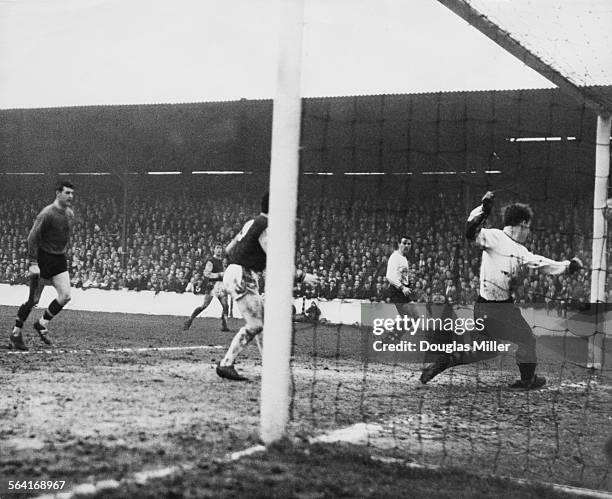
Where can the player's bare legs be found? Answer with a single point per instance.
(36, 287)
(251, 308)
(197, 311)
(259, 342)
(61, 283)
(224, 312)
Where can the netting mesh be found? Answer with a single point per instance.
(415, 166)
(572, 37)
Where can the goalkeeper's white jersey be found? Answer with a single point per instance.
(502, 259)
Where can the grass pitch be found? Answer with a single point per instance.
(124, 393)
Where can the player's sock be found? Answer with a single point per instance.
(240, 341)
(224, 323)
(527, 370)
(52, 310)
(23, 312)
(17, 330)
(196, 312)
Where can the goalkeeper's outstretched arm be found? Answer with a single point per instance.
(478, 216)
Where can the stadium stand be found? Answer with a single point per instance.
(170, 237)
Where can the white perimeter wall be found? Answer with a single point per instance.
(335, 311)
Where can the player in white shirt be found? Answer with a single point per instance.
(503, 256)
(397, 272)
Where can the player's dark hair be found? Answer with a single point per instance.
(403, 239)
(265, 202)
(60, 184)
(516, 213)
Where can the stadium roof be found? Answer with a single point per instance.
(235, 136)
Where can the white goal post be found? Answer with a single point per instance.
(284, 172)
(600, 235)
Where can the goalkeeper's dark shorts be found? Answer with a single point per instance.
(51, 264)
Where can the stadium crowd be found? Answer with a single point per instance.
(346, 242)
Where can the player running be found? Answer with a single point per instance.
(47, 244)
(213, 273)
(247, 256)
(503, 256)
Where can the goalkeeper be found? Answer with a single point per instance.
(503, 256)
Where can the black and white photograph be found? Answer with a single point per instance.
(305, 249)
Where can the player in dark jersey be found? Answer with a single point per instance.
(47, 244)
(247, 256)
(213, 273)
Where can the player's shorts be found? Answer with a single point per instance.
(397, 296)
(216, 289)
(50, 264)
(239, 281)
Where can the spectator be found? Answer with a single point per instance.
(343, 241)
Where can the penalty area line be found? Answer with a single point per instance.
(115, 350)
(141, 477)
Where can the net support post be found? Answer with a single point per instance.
(600, 230)
(280, 269)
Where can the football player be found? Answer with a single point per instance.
(247, 256)
(48, 242)
(503, 256)
(213, 273)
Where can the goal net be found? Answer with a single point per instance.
(376, 169)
